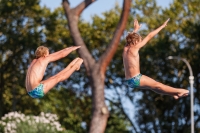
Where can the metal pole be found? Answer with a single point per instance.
(191, 81)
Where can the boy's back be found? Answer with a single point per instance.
(35, 73)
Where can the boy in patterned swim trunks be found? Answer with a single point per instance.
(35, 86)
(132, 67)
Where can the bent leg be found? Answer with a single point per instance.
(71, 64)
(148, 83)
(62, 75)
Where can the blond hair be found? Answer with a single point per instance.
(41, 51)
(133, 38)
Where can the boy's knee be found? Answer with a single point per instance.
(158, 85)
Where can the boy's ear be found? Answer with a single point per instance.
(45, 55)
(136, 42)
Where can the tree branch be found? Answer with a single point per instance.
(109, 53)
(83, 5)
(72, 18)
(66, 5)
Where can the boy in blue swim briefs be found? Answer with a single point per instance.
(132, 67)
(35, 86)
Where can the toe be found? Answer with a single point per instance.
(175, 97)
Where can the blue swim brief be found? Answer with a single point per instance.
(37, 92)
(134, 82)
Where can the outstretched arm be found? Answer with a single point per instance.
(61, 54)
(152, 34)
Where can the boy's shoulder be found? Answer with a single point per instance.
(42, 60)
(134, 47)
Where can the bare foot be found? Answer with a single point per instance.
(182, 93)
(78, 63)
(73, 62)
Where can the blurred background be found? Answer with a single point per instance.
(25, 25)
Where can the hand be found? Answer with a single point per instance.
(165, 23)
(74, 47)
(137, 26)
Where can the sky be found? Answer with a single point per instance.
(95, 8)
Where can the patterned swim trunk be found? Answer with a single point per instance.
(37, 92)
(134, 82)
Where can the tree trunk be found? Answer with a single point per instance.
(99, 109)
(96, 69)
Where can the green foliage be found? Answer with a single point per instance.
(20, 34)
(117, 122)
